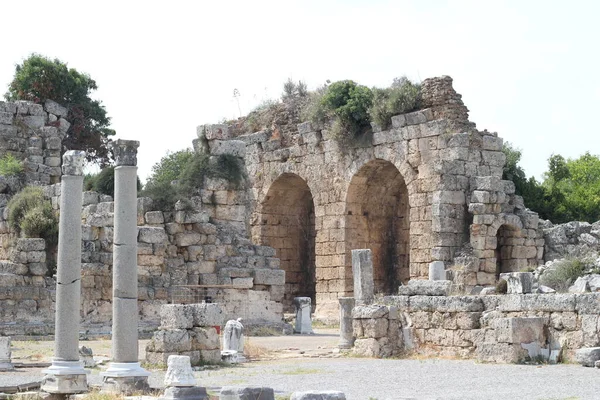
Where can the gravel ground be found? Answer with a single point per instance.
(362, 379)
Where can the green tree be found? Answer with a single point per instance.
(170, 167)
(350, 103)
(39, 78)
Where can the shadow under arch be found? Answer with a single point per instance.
(287, 223)
(377, 218)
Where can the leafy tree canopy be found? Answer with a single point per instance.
(570, 190)
(39, 78)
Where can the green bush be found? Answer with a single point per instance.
(166, 192)
(104, 182)
(31, 215)
(41, 222)
(564, 273)
(293, 89)
(10, 166)
(402, 97)
(349, 103)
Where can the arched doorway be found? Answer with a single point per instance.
(287, 223)
(377, 218)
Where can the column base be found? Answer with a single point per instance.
(185, 393)
(345, 344)
(126, 378)
(6, 366)
(65, 377)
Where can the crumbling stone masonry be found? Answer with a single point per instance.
(500, 328)
(428, 189)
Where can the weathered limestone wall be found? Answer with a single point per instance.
(422, 191)
(497, 328)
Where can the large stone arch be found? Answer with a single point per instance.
(286, 222)
(377, 217)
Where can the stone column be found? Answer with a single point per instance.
(346, 333)
(362, 271)
(66, 374)
(124, 374)
(437, 271)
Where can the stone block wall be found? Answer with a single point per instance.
(427, 189)
(497, 328)
(187, 330)
(33, 133)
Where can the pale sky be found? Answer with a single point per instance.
(529, 70)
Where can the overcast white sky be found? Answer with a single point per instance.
(526, 69)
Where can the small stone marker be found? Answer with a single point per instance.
(362, 271)
(247, 393)
(5, 361)
(303, 321)
(318, 395)
(346, 332)
(233, 342)
(437, 271)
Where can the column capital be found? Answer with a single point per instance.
(125, 152)
(72, 162)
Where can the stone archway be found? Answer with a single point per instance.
(377, 218)
(287, 223)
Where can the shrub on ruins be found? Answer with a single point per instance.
(564, 273)
(104, 182)
(293, 89)
(401, 97)
(11, 166)
(39, 78)
(31, 215)
(189, 170)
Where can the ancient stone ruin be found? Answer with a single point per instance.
(422, 199)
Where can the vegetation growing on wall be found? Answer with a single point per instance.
(570, 190)
(31, 215)
(402, 97)
(10, 166)
(180, 175)
(39, 78)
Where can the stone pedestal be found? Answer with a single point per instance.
(179, 372)
(346, 333)
(247, 393)
(362, 271)
(124, 374)
(437, 271)
(5, 355)
(66, 375)
(303, 321)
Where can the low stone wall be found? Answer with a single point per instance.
(495, 328)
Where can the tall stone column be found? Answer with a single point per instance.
(124, 374)
(362, 271)
(346, 333)
(66, 374)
